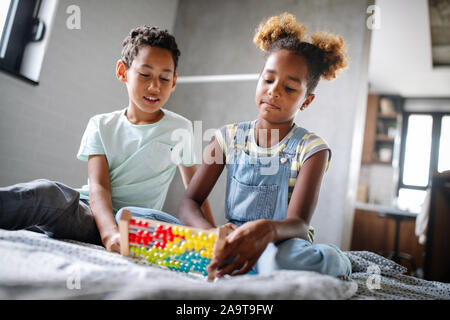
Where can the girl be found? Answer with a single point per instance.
(274, 167)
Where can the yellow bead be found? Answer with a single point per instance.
(175, 231)
(200, 234)
(203, 253)
(176, 240)
(187, 233)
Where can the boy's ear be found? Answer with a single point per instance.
(121, 71)
(307, 101)
(174, 83)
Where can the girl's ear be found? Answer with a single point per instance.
(121, 71)
(307, 101)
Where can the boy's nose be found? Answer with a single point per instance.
(154, 85)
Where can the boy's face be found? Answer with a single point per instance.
(282, 87)
(150, 79)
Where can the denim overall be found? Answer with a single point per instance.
(257, 188)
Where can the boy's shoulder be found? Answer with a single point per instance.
(176, 119)
(108, 116)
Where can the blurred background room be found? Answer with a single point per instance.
(386, 117)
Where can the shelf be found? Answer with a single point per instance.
(387, 116)
(378, 161)
(384, 138)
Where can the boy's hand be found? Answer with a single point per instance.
(245, 244)
(112, 242)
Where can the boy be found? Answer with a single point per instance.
(128, 153)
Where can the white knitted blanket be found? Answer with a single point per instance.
(34, 266)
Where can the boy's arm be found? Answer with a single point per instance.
(101, 203)
(186, 174)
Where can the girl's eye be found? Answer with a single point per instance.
(268, 81)
(164, 79)
(144, 75)
(290, 89)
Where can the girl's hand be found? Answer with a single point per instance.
(112, 242)
(245, 244)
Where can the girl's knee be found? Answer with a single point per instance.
(335, 263)
(299, 254)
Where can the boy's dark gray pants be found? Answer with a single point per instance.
(53, 207)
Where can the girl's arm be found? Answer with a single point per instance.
(247, 243)
(101, 203)
(186, 174)
(200, 186)
(303, 199)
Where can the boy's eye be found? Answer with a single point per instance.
(268, 81)
(290, 89)
(144, 75)
(165, 79)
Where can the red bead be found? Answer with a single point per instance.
(145, 224)
(138, 239)
(140, 232)
(132, 222)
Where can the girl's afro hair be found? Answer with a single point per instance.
(326, 53)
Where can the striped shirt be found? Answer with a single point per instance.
(309, 145)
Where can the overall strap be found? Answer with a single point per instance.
(241, 134)
(293, 142)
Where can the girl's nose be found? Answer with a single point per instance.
(274, 92)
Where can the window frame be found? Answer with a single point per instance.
(20, 32)
(434, 152)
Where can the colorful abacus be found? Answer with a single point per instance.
(177, 248)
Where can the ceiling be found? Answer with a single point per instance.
(401, 59)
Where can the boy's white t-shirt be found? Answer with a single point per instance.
(140, 158)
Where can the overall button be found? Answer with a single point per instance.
(283, 160)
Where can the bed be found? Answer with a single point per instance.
(34, 266)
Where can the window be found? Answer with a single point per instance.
(17, 18)
(424, 150)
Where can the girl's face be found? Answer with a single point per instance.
(281, 88)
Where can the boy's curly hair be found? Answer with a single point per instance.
(152, 36)
(325, 53)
